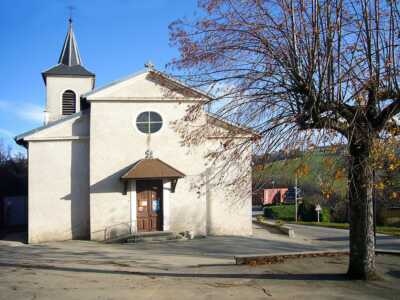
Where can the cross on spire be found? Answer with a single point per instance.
(71, 8)
(149, 65)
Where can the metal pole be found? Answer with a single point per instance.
(295, 196)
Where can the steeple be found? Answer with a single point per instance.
(70, 53)
(69, 63)
(67, 81)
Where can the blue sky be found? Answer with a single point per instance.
(115, 38)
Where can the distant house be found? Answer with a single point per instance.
(275, 196)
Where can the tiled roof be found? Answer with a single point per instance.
(151, 168)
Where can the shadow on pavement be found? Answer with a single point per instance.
(333, 239)
(393, 273)
(15, 236)
(346, 238)
(319, 277)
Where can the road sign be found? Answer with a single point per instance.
(318, 210)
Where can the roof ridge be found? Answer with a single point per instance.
(179, 82)
(114, 82)
(51, 124)
(143, 71)
(230, 123)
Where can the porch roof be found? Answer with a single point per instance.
(151, 168)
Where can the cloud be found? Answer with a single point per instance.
(27, 112)
(6, 133)
(31, 112)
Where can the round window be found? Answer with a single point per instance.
(148, 122)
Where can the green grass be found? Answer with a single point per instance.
(379, 229)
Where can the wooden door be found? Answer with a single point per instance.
(149, 205)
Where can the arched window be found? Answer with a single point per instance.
(68, 103)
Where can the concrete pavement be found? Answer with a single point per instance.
(333, 238)
(196, 269)
(210, 250)
(167, 255)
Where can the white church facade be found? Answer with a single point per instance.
(108, 161)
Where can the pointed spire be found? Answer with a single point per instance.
(69, 63)
(70, 53)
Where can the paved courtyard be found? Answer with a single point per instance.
(198, 269)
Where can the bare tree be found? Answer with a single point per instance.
(303, 72)
(5, 152)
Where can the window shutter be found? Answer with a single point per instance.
(68, 103)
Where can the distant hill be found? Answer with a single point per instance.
(321, 169)
(280, 172)
(318, 171)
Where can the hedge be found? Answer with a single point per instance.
(280, 212)
(306, 212)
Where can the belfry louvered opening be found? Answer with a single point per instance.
(68, 103)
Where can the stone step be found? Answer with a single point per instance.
(154, 236)
(139, 235)
(152, 240)
(152, 233)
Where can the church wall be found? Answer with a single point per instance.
(57, 85)
(58, 205)
(77, 125)
(116, 144)
(229, 195)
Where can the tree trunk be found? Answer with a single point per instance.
(362, 242)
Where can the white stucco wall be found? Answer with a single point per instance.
(58, 193)
(115, 144)
(73, 126)
(57, 85)
(58, 187)
(229, 206)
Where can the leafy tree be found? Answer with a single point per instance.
(303, 73)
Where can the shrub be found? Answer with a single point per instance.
(307, 213)
(325, 215)
(280, 212)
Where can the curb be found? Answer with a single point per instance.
(282, 229)
(260, 259)
(391, 252)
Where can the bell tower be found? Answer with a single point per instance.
(66, 81)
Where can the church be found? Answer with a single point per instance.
(111, 161)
